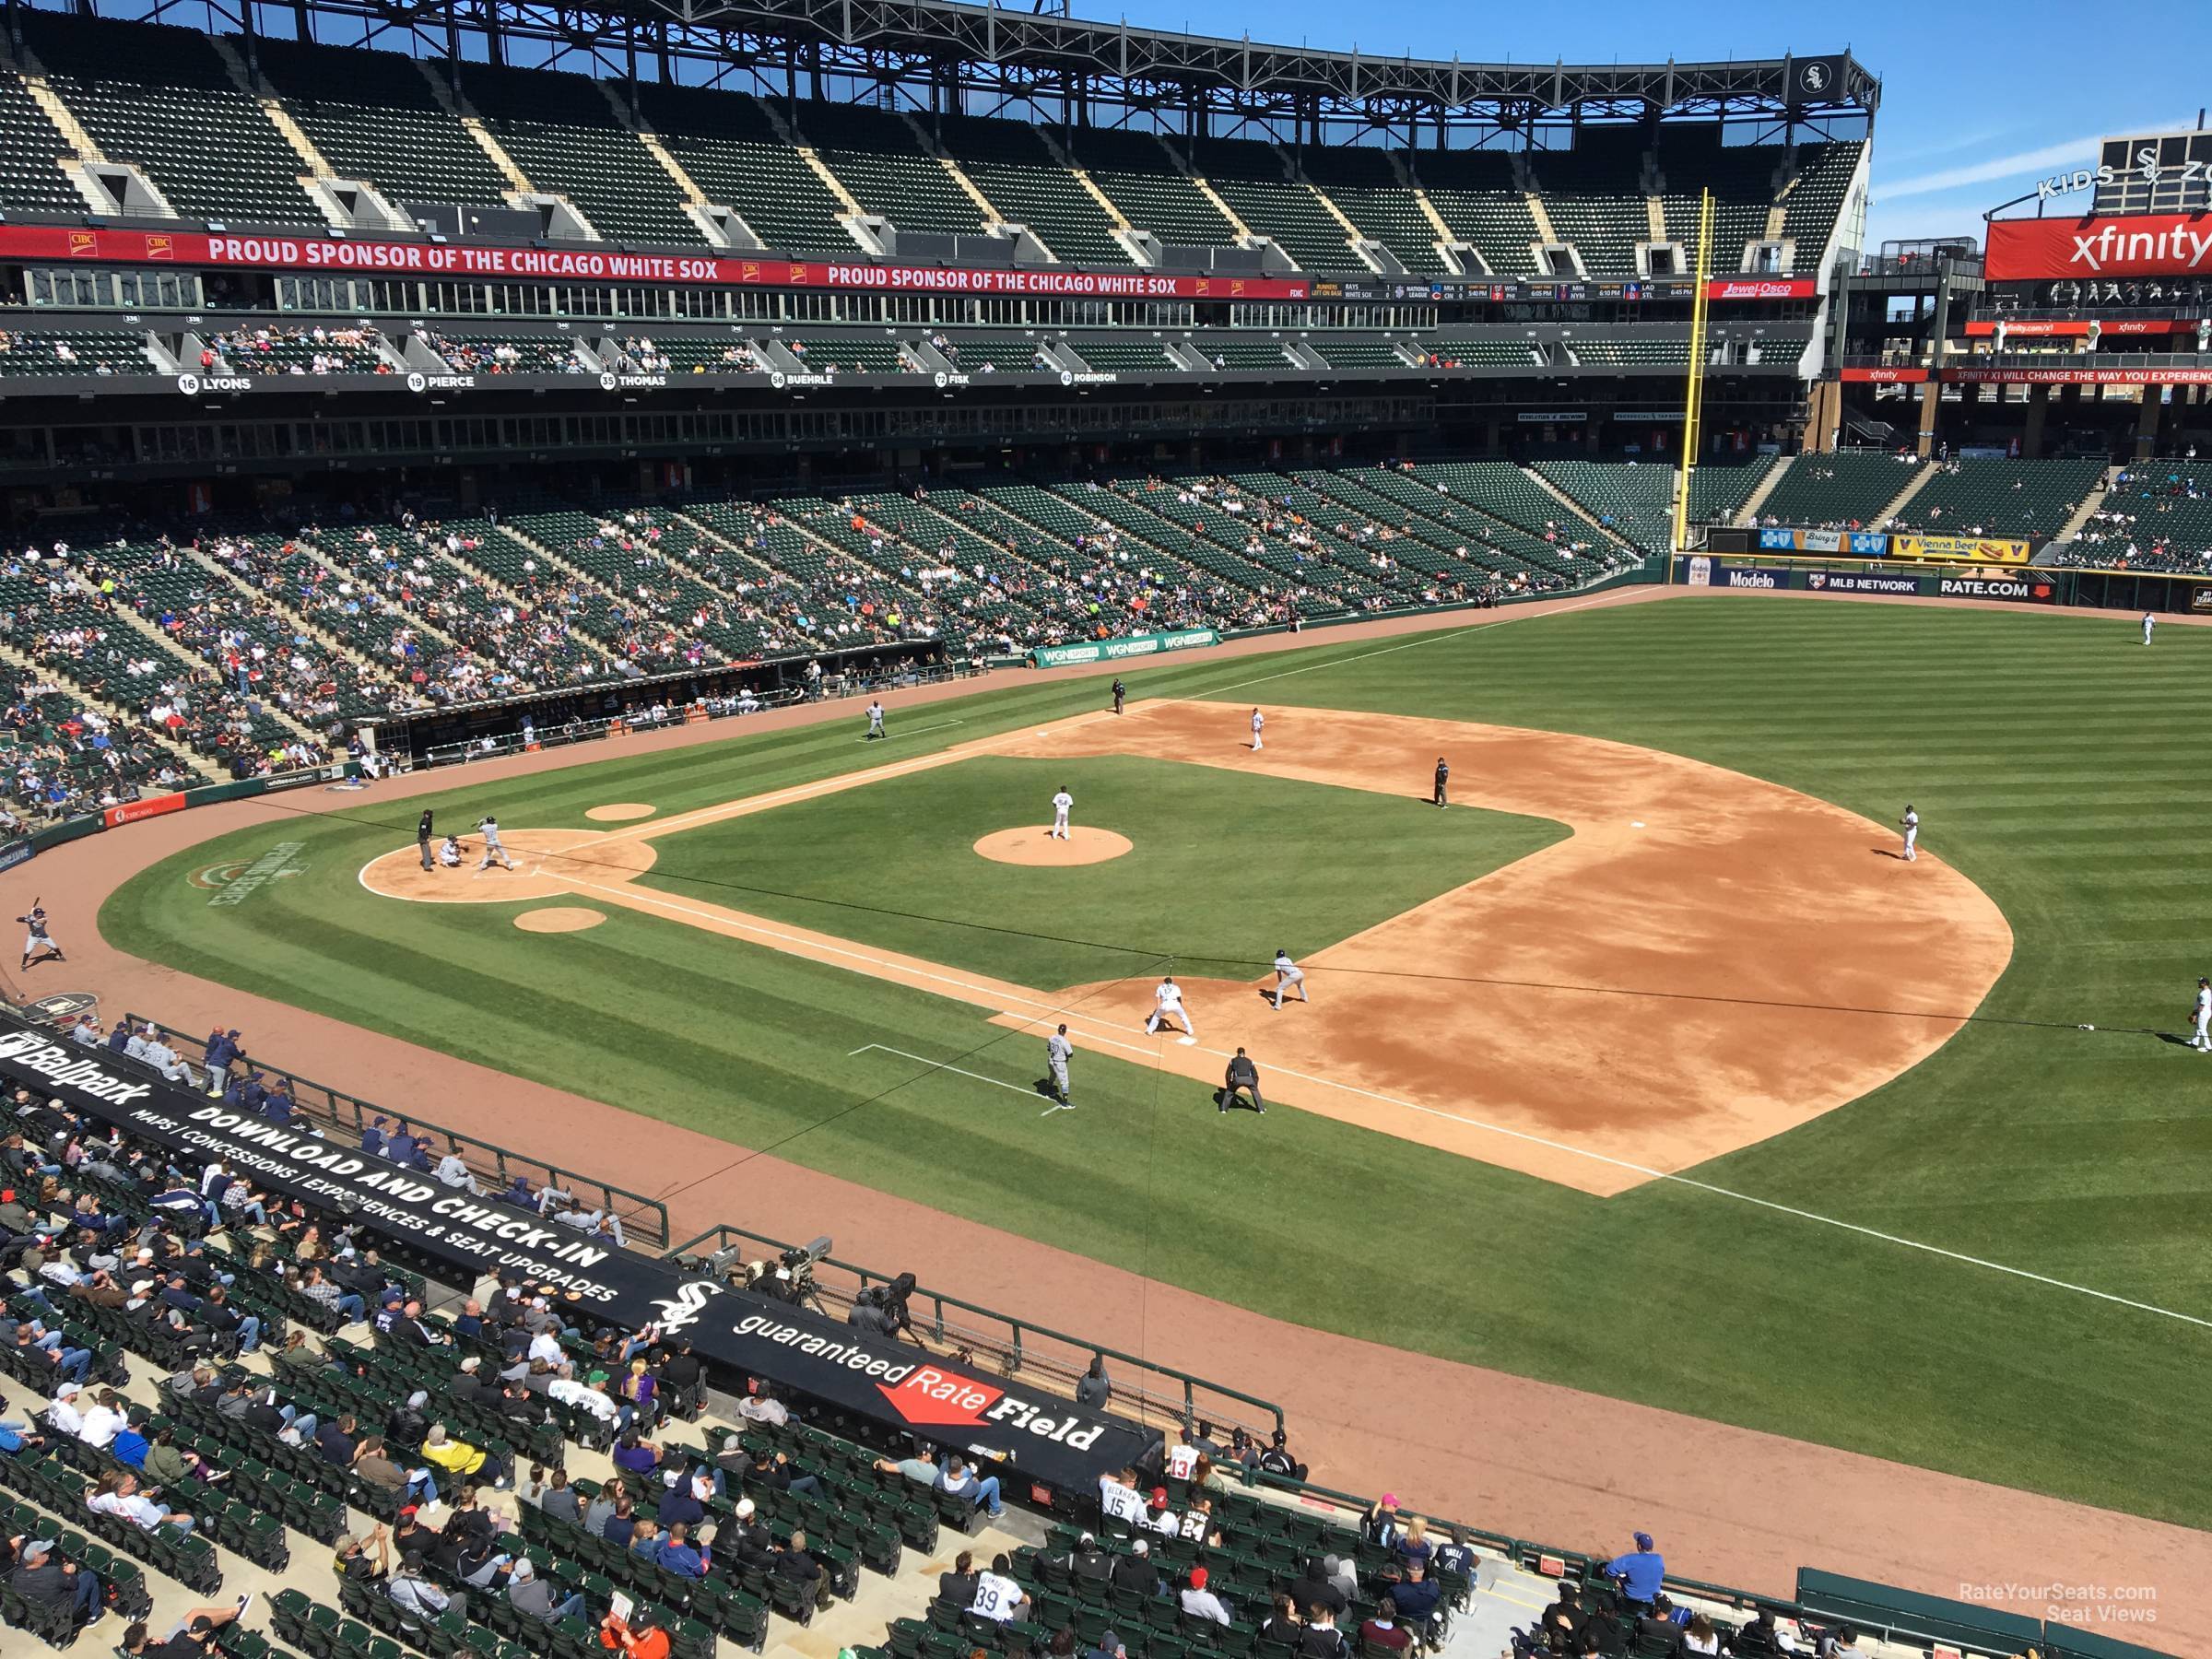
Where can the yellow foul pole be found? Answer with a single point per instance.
(1693, 423)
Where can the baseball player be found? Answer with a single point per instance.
(1443, 778)
(1911, 823)
(492, 849)
(1287, 974)
(1242, 1077)
(38, 944)
(874, 720)
(1167, 996)
(1061, 803)
(2149, 622)
(449, 853)
(1121, 694)
(422, 839)
(1058, 1051)
(2202, 1042)
(1258, 720)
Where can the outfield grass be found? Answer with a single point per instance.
(2050, 758)
(1215, 855)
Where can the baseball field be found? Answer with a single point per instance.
(1647, 1068)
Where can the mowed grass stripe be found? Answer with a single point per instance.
(2037, 749)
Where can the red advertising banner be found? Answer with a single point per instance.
(2150, 244)
(2078, 376)
(1886, 377)
(130, 812)
(597, 265)
(1759, 288)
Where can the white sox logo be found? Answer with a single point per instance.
(683, 1308)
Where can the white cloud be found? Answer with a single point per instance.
(2069, 152)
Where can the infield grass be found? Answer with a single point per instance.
(2053, 759)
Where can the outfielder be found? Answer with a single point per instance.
(1443, 780)
(2202, 1042)
(1121, 694)
(1911, 823)
(1061, 803)
(38, 944)
(492, 849)
(2150, 621)
(1258, 720)
(1058, 1051)
(1287, 974)
(874, 720)
(1167, 996)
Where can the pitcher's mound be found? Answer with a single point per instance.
(1042, 847)
(560, 918)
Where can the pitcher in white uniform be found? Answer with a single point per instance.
(1167, 998)
(1911, 823)
(2202, 1041)
(1289, 975)
(1258, 720)
(1061, 803)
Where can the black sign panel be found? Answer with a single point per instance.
(813, 1358)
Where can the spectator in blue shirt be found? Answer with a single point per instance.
(678, 1555)
(958, 1479)
(372, 1139)
(1638, 1573)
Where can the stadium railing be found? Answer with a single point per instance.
(644, 1220)
(1143, 1389)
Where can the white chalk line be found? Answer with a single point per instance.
(909, 731)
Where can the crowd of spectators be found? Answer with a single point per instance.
(2155, 517)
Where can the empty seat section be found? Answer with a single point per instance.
(1630, 498)
(1851, 486)
(2001, 498)
(875, 155)
(1251, 178)
(161, 98)
(374, 118)
(49, 351)
(1742, 179)
(1501, 351)
(560, 130)
(1241, 354)
(1473, 192)
(1594, 196)
(32, 181)
(1009, 162)
(1364, 183)
(1127, 356)
(849, 356)
(1001, 355)
(1814, 201)
(1358, 354)
(1140, 178)
(732, 153)
(1630, 348)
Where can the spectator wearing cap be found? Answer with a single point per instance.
(413, 1592)
(638, 1636)
(1198, 1602)
(1638, 1573)
(1094, 1387)
(43, 1577)
(372, 1139)
(354, 1565)
(1089, 1562)
(1416, 1595)
(1381, 1524)
(533, 1597)
(193, 1639)
(62, 1413)
(958, 1479)
(1135, 1571)
(997, 1596)
(1157, 1516)
(130, 1445)
(1109, 1647)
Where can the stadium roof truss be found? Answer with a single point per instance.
(940, 54)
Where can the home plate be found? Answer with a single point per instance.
(1187, 1042)
(1635, 823)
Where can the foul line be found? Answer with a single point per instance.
(885, 1048)
(913, 732)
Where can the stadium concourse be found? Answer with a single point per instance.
(1727, 1505)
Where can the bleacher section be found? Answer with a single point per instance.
(73, 351)
(731, 152)
(1741, 178)
(2157, 516)
(1366, 186)
(161, 97)
(563, 134)
(1473, 192)
(1009, 162)
(1590, 192)
(374, 118)
(1850, 487)
(1252, 178)
(875, 155)
(2023, 498)
(30, 183)
(1814, 200)
(1138, 176)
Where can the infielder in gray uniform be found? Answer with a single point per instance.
(1058, 1051)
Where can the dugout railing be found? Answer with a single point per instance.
(1144, 1390)
(343, 1116)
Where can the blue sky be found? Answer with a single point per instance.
(1978, 101)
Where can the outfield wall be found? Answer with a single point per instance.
(2018, 586)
